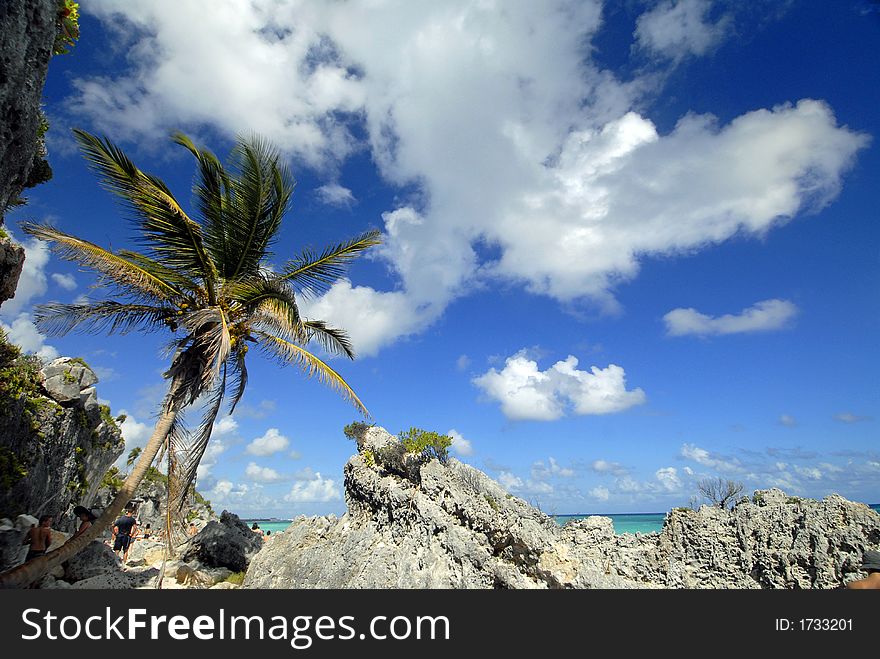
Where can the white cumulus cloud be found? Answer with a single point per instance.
(676, 28)
(575, 186)
(460, 445)
(760, 317)
(262, 474)
(334, 194)
(318, 489)
(67, 282)
(23, 333)
(525, 392)
(271, 442)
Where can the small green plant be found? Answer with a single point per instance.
(3, 233)
(106, 417)
(68, 377)
(369, 458)
(112, 479)
(426, 443)
(67, 25)
(356, 429)
(236, 578)
(11, 469)
(491, 501)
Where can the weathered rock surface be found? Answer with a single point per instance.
(772, 541)
(94, 560)
(11, 264)
(64, 445)
(228, 543)
(416, 523)
(27, 35)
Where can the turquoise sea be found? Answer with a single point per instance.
(623, 523)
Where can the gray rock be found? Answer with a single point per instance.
(417, 523)
(94, 560)
(27, 35)
(773, 541)
(228, 543)
(65, 450)
(11, 264)
(66, 379)
(12, 552)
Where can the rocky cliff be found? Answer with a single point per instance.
(56, 440)
(27, 36)
(771, 541)
(414, 522)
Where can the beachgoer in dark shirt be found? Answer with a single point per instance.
(124, 529)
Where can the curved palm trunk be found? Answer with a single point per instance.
(27, 573)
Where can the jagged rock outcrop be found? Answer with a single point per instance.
(771, 541)
(228, 543)
(27, 36)
(11, 264)
(418, 523)
(55, 446)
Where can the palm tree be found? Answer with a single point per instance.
(206, 282)
(133, 456)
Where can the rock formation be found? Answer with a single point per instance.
(11, 264)
(56, 441)
(227, 543)
(27, 36)
(414, 522)
(417, 523)
(770, 541)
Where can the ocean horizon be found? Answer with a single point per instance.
(623, 522)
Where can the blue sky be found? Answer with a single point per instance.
(626, 247)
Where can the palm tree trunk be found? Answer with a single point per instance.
(27, 573)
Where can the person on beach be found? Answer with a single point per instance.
(256, 529)
(192, 529)
(148, 532)
(124, 529)
(86, 518)
(871, 565)
(39, 538)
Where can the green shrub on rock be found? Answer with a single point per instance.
(429, 444)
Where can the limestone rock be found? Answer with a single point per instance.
(64, 450)
(773, 541)
(65, 379)
(417, 523)
(27, 35)
(94, 560)
(11, 264)
(228, 543)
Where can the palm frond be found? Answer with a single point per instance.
(58, 319)
(120, 271)
(314, 274)
(333, 340)
(177, 278)
(261, 191)
(290, 353)
(269, 302)
(166, 228)
(240, 378)
(213, 193)
(195, 451)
